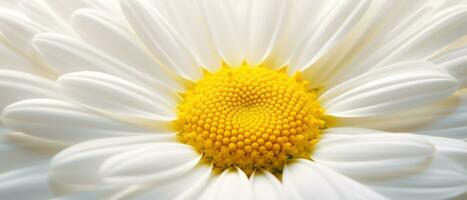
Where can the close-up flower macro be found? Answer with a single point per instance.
(233, 99)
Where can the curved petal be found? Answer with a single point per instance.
(63, 121)
(226, 27)
(119, 98)
(455, 62)
(43, 14)
(373, 156)
(66, 54)
(292, 31)
(113, 38)
(448, 26)
(442, 179)
(264, 24)
(328, 68)
(13, 156)
(453, 149)
(230, 185)
(304, 179)
(185, 16)
(16, 86)
(334, 27)
(12, 60)
(181, 188)
(386, 90)
(18, 31)
(77, 167)
(266, 186)
(26, 183)
(161, 39)
(447, 118)
(150, 164)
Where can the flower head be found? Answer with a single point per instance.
(234, 99)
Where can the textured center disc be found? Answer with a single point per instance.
(251, 118)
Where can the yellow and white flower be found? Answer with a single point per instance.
(233, 99)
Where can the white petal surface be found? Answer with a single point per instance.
(12, 60)
(455, 62)
(119, 98)
(265, 21)
(328, 68)
(185, 17)
(442, 179)
(227, 25)
(181, 188)
(26, 183)
(43, 14)
(447, 118)
(304, 179)
(230, 185)
(156, 163)
(16, 86)
(14, 157)
(453, 149)
(63, 121)
(448, 26)
(333, 28)
(18, 30)
(114, 38)
(293, 33)
(161, 38)
(385, 90)
(77, 168)
(66, 54)
(373, 156)
(266, 186)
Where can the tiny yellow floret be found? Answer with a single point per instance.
(251, 118)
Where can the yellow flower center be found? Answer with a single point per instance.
(250, 118)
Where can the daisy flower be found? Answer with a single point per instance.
(233, 99)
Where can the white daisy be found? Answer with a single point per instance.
(233, 99)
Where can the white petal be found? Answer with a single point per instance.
(14, 157)
(304, 179)
(119, 98)
(65, 8)
(442, 179)
(265, 20)
(448, 27)
(328, 68)
(156, 163)
(113, 38)
(77, 168)
(266, 186)
(26, 183)
(293, 32)
(373, 156)
(66, 54)
(18, 30)
(333, 28)
(161, 39)
(181, 188)
(63, 121)
(226, 24)
(447, 118)
(12, 60)
(455, 62)
(231, 185)
(16, 86)
(40, 12)
(185, 17)
(392, 88)
(453, 149)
